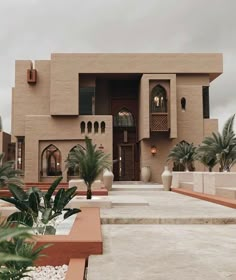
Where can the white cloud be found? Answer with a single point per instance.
(33, 29)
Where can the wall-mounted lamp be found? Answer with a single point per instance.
(153, 150)
(101, 147)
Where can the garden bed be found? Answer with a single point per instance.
(84, 239)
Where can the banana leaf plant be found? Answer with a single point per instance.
(40, 210)
(17, 251)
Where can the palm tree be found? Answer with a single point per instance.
(183, 153)
(223, 146)
(8, 174)
(209, 160)
(89, 161)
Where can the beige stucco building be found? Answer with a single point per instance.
(128, 104)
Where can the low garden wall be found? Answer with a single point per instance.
(204, 182)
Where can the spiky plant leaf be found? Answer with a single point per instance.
(71, 212)
(21, 218)
(51, 190)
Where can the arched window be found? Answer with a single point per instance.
(103, 127)
(82, 127)
(183, 104)
(124, 118)
(96, 127)
(71, 171)
(51, 161)
(158, 99)
(89, 127)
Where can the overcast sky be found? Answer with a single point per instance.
(33, 29)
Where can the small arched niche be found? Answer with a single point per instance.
(183, 104)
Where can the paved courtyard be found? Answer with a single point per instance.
(175, 237)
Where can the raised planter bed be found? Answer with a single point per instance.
(208, 197)
(84, 239)
(76, 269)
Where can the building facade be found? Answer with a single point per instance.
(135, 107)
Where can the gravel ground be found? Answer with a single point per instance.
(48, 272)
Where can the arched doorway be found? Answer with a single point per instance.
(71, 172)
(51, 161)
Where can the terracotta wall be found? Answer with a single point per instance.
(191, 125)
(29, 99)
(66, 67)
(42, 130)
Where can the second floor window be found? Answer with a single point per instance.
(158, 99)
(87, 101)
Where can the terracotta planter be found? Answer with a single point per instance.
(145, 174)
(166, 178)
(108, 177)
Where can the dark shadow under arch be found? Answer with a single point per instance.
(51, 161)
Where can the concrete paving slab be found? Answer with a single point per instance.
(168, 207)
(124, 200)
(96, 201)
(164, 252)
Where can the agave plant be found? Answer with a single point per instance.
(38, 209)
(183, 153)
(222, 146)
(89, 161)
(16, 255)
(8, 174)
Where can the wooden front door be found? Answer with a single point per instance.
(126, 162)
(125, 145)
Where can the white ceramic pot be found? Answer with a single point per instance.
(108, 177)
(145, 174)
(166, 178)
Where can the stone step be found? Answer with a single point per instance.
(124, 200)
(226, 192)
(141, 187)
(186, 185)
(168, 220)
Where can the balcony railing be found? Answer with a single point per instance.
(159, 122)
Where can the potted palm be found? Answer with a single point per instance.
(183, 153)
(89, 161)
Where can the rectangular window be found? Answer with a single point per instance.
(205, 102)
(87, 101)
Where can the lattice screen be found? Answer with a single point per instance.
(159, 122)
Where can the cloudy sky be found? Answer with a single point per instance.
(33, 29)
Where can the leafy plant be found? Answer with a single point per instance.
(207, 159)
(38, 209)
(183, 153)
(89, 161)
(222, 146)
(17, 253)
(8, 174)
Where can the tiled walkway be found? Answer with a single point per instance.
(182, 247)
